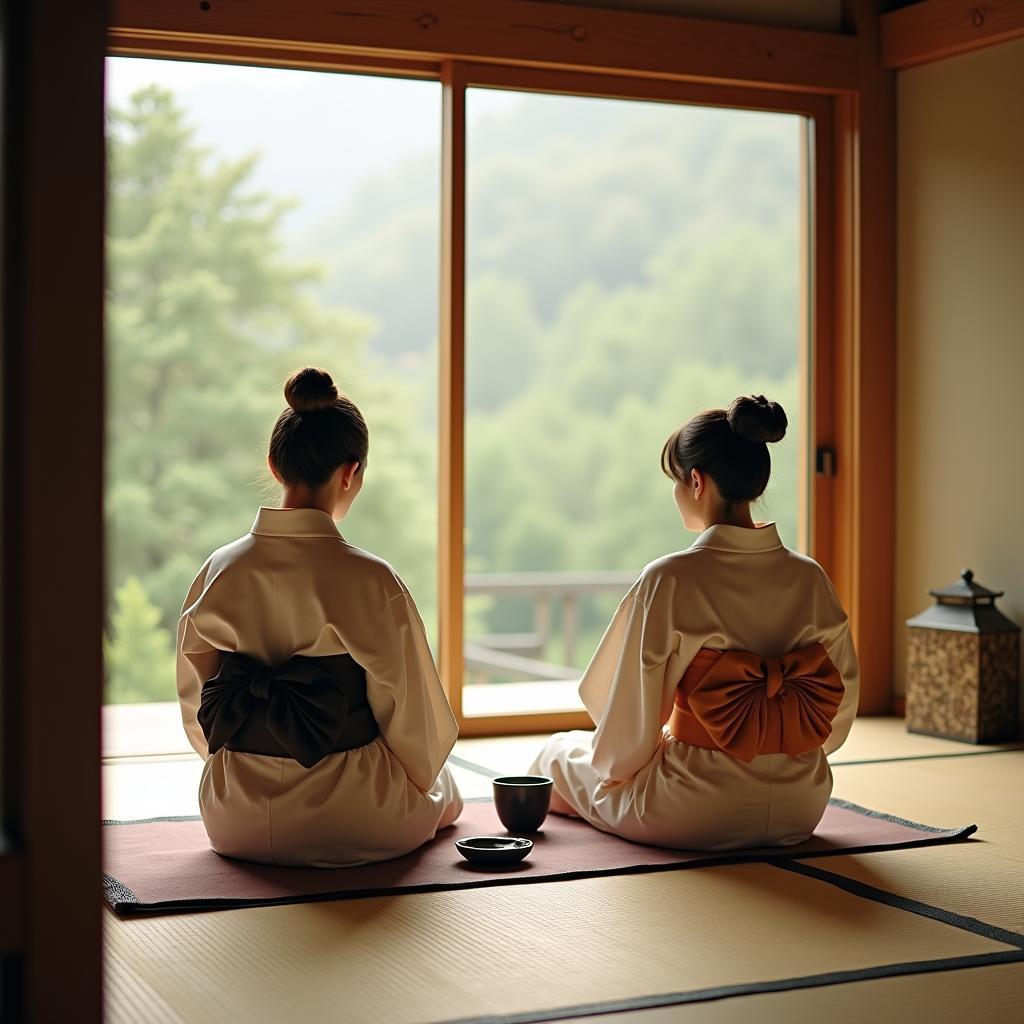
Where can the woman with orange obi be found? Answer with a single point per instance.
(726, 675)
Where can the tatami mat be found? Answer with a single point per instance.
(980, 878)
(988, 789)
(990, 994)
(874, 738)
(491, 952)
(151, 789)
(128, 998)
(870, 739)
(442, 956)
(510, 755)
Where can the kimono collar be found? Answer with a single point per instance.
(739, 538)
(294, 522)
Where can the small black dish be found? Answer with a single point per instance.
(522, 801)
(494, 851)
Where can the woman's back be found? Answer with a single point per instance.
(735, 589)
(771, 598)
(299, 583)
(727, 673)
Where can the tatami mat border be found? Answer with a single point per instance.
(924, 757)
(472, 766)
(905, 903)
(703, 995)
(490, 773)
(149, 821)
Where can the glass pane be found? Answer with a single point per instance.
(629, 264)
(259, 219)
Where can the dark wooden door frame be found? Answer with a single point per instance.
(52, 527)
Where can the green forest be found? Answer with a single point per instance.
(629, 265)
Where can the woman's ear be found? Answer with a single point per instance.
(348, 474)
(273, 471)
(697, 483)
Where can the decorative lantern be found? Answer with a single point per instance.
(963, 666)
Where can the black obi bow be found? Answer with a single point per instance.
(305, 709)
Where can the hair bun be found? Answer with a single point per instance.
(310, 390)
(757, 419)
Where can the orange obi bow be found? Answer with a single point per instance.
(747, 705)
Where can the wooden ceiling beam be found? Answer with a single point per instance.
(516, 32)
(936, 29)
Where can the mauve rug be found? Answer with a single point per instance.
(164, 865)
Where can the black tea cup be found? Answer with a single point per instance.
(522, 801)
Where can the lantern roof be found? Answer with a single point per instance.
(966, 588)
(965, 606)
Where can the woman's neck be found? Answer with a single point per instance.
(732, 515)
(302, 496)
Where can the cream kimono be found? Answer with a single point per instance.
(734, 589)
(293, 586)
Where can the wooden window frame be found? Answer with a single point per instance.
(51, 460)
(834, 81)
(457, 76)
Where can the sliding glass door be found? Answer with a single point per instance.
(259, 219)
(614, 257)
(628, 264)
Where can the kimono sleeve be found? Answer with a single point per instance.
(404, 690)
(630, 683)
(197, 661)
(839, 647)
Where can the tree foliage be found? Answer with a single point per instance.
(139, 651)
(205, 319)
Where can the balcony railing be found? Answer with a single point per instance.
(521, 656)
(505, 672)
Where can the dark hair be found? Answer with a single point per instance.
(319, 431)
(730, 445)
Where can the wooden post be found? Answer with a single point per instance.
(52, 478)
(823, 362)
(542, 621)
(805, 339)
(451, 461)
(866, 353)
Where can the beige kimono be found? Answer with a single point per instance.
(294, 586)
(734, 589)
